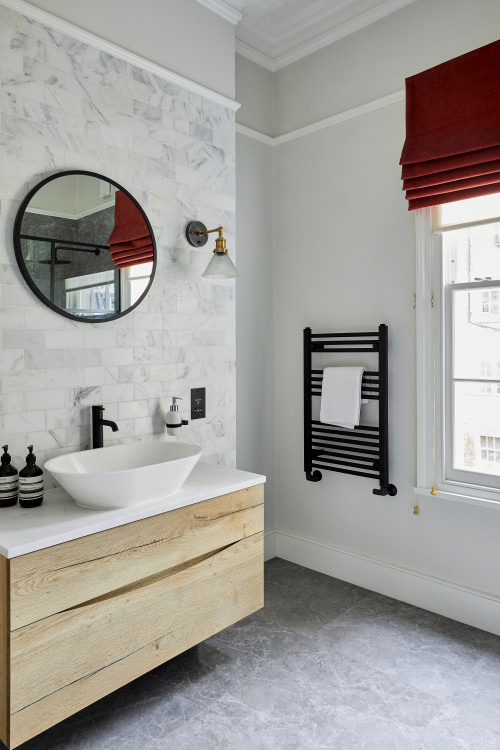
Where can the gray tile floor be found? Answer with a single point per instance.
(324, 665)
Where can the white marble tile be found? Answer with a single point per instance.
(18, 84)
(133, 409)
(11, 17)
(77, 47)
(118, 393)
(28, 420)
(37, 70)
(95, 336)
(11, 360)
(148, 389)
(64, 377)
(72, 105)
(114, 63)
(40, 31)
(13, 125)
(17, 40)
(37, 316)
(48, 399)
(83, 357)
(84, 396)
(37, 359)
(63, 339)
(12, 59)
(31, 339)
(133, 373)
(117, 356)
(94, 376)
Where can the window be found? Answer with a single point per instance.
(458, 325)
(134, 282)
(92, 294)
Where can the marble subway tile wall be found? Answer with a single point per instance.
(67, 105)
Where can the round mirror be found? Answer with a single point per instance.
(85, 246)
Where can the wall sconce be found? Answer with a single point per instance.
(221, 266)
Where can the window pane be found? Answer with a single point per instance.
(473, 209)
(143, 269)
(476, 336)
(476, 421)
(473, 254)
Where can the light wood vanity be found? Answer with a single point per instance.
(81, 618)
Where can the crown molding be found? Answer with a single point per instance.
(248, 46)
(255, 55)
(223, 9)
(49, 19)
(327, 122)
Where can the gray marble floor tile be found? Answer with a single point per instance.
(428, 652)
(471, 718)
(304, 600)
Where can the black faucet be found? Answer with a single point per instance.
(97, 424)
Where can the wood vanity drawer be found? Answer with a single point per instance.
(71, 659)
(69, 574)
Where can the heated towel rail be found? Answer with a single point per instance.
(363, 451)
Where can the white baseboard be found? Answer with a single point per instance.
(269, 545)
(466, 605)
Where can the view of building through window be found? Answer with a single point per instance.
(471, 256)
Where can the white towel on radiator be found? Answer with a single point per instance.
(341, 396)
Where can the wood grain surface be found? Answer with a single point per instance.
(68, 574)
(71, 659)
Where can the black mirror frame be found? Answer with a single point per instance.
(24, 270)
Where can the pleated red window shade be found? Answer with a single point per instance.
(452, 146)
(130, 241)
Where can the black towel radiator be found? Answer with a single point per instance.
(363, 451)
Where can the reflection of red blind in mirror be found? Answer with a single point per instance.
(130, 241)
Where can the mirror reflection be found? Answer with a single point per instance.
(85, 246)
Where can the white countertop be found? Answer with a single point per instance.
(59, 519)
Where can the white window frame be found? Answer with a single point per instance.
(431, 412)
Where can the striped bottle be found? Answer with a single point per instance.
(30, 482)
(9, 481)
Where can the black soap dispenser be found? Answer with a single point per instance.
(9, 481)
(30, 482)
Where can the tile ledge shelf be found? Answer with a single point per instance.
(60, 520)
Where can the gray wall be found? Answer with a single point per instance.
(255, 311)
(181, 35)
(255, 314)
(345, 258)
(375, 61)
(255, 93)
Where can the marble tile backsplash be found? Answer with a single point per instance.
(67, 105)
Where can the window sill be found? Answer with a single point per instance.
(456, 497)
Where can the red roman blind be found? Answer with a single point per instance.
(130, 241)
(452, 146)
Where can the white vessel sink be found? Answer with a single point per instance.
(124, 475)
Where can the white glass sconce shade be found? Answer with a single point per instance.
(220, 267)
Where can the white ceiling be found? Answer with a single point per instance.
(275, 33)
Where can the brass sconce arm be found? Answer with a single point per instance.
(221, 266)
(196, 234)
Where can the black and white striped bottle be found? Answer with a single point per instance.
(9, 481)
(30, 482)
